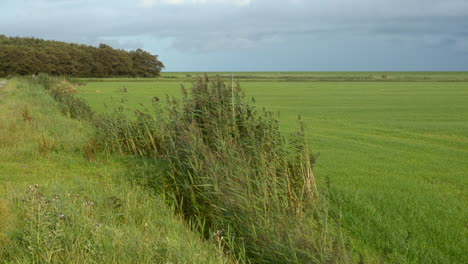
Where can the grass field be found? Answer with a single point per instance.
(396, 153)
(308, 76)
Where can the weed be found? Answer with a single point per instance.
(27, 117)
(91, 149)
(47, 145)
(123, 89)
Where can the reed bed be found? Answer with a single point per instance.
(231, 173)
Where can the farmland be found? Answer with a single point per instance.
(393, 149)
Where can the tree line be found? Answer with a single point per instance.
(27, 56)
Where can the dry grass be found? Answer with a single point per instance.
(47, 145)
(27, 117)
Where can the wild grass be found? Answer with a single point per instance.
(47, 145)
(232, 173)
(62, 208)
(62, 91)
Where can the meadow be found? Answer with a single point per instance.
(304, 76)
(393, 149)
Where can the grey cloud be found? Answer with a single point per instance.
(241, 26)
(233, 28)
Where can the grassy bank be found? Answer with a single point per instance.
(395, 154)
(60, 202)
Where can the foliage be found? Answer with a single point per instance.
(230, 170)
(28, 56)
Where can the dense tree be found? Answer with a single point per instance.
(26, 56)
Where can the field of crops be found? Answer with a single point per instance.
(394, 153)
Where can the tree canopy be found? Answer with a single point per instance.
(26, 56)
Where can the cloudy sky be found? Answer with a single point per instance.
(259, 35)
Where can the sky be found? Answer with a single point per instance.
(259, 35)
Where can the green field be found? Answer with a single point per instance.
(307, 76)
(395, 153)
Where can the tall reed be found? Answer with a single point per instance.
(230, 171)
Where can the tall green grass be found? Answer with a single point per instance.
(59, 207)
(231, 172)
(62, 91)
